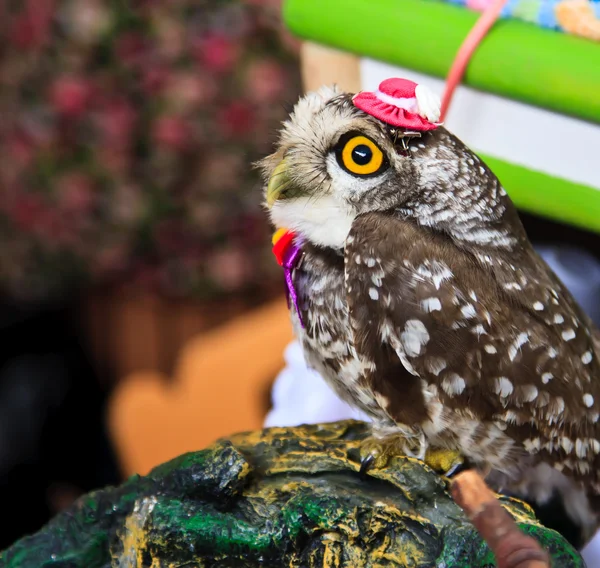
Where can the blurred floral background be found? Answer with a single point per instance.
(127, 134)
(130, 215)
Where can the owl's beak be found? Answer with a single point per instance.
(279, 183)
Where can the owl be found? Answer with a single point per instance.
(418, 297)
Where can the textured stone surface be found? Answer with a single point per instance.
(277, 497)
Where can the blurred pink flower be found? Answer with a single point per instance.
(87, 19)
(116, 120)
(188, 89)
(26, 211)
(154, 78)
(114, 159)
(70, 95)
(265, 81)
(223, 171)
(172, 132)
(236, 118)
(26, 33)
(217, 53)
(20, 148)
(54, 229)
(127, 204)
(249, 230)
(131, 49)
(111, 259)
(170, 35)
(229, 268)
(170, 237)
(76, 193)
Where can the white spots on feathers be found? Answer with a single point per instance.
(435, 365)
(559, 403)
(568, 334)
(468, 311)
(538, 306)
(431, 305)
(490, 349)
(377, 278)
(490, 237)
(558, 318)
(581, 447)
(532, 445)
(516, 345)
(406, 364)
(504, 387)
(370, 262)
(479, 330)
(434, 271)
(472, 295)
(586, 358)
(453, 384)
(552, 353)
(438, 277)
(512, 286)
(414, 336)
(567, 444)
(351, 370)
(373, 294)
(543, 399)
(386, 331)
(547, 377)
(511, 417)
(588, 400)
(528, 393)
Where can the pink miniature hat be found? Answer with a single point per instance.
(401, 103)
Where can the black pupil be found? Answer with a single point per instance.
(362, 155)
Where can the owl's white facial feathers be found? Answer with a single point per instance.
(324, 221)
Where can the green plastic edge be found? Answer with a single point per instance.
(548, 196)
(518, 60)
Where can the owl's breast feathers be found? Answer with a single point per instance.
(492, 337)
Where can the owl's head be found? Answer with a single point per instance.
(335, 161)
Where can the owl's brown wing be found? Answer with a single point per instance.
(498, 337)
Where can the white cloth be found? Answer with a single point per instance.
(301, 396)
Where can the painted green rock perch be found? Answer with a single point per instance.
(278, 497)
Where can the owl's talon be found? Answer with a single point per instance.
(365, 465)
(445, 462)
(375, 453)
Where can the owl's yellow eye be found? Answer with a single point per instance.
(360, 156)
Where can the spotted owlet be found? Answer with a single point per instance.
(419, 298)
